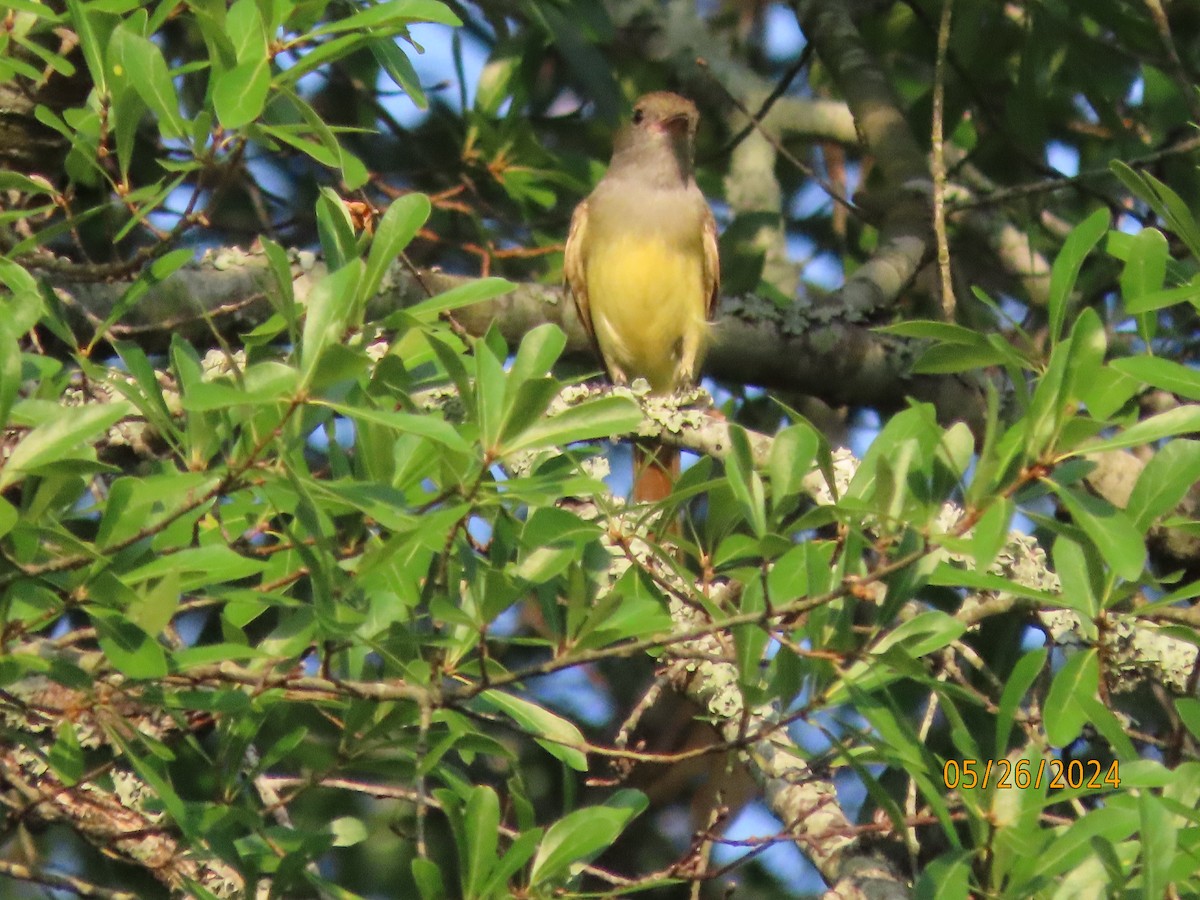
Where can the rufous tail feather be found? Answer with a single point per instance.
(655, 471)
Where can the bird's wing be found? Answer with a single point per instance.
(576, 275)
(573, 268)
(712, 263)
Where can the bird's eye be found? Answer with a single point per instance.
(638, 115)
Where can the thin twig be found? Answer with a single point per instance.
(803, 167)
(778, 91)
(939, 164)
(1055, 184)
(1183, 79)
(61, 882)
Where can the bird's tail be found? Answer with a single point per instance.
(655, 471)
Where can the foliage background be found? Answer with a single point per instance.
(310, 582)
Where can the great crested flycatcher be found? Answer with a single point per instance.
(641, 263)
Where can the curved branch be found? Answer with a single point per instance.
(904, 204)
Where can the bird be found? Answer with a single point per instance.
(642, 266)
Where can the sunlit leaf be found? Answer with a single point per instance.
(1079, 677)
(556, 735)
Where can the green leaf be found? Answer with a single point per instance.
(154, 609)
(451, 357)
(896, 655)
(943, 332)
(946, 359)
(1065, 271)
(750, 643)
(1016, 689)
(135, 60)
(556, 735)
(579, 836)
(428, 878)
(1181, 420)
(426, 425)
(399, 68)
(946, 878)
(519, 853)
(10, 369)
(1110, 729)
(1078, 678)
(56, 62)
(23, 306)
(15, 181)
(240, 94)
(335, 229)
(293, 136)
(148, 767)
(348, 831)
(127, 647)
(1162, 373)
(1074, 843)
(8, 520)
(1080, 583)
(1167, 477)
(385, 505)
(89, 26)
(539, 350)
(603, 417)
(1186, 293)
(946, 575)
(526, 405)
(490, 389)
(923, 633)
(1146, 255)
(917, 424)
(1160, 836)
(473, 291)
(744, 481)
(66, 757)
(551, 539)
(60, 438)
(990, 533)
(327, 316)
(263, 384)
(482, 821)
(1088, 346)
(397, 227)
(1108, 391)
(197, 567)
(1189, 713)
(318, 55)
(1164, 201)
(1048, 407)
(246, 30)
(136, 504)
(792, 453)
(1145, 264)
(1110, 529)
(354, 173)
(127, 109)
(392, 14)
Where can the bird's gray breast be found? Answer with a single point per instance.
(674, 215)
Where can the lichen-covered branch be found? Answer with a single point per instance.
(815, 347)
(107, 808)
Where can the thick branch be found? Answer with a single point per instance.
(904, 204)
(815, 347)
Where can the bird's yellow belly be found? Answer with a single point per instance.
(648, 306)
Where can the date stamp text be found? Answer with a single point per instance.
(1075, 774)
